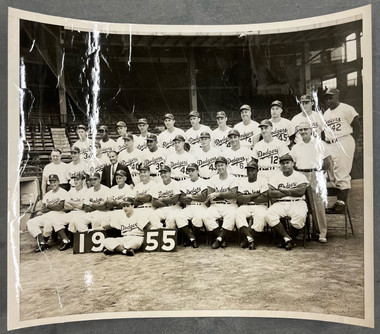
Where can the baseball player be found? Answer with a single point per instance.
(52, 208)
(121, 129)
(140, 141)
(220, 134)
(248, 129)
(314, 118)
(97, 163)
(165, 198)
(252, 199)
(310, 158)
(282, 128)
(342, 120)
(193, 195)
(287, 192)
(132, 225)
(83, 143)
(107, 144)
(166, 138)
(154, 157)
(193, 134)
(74, 204)
(178, 160)
(76, 165)
(206, 156)
(221, 194)
(131, 157)
(55, 167)
(267, 152)
(237, 155)
(120, 192)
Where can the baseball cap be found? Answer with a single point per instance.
(128, 136)
(151, 136)
(305, 97)
(143, 167)
(78, 175)
(103, 127)
(286, 157)
(332, 91)
(53, 177)
(245, 107)
(165, 168)
(265, 122)
(220, 114)
(194, 113)
(142, 121)
(205, 135)
(121, 124)
(179, 137)
(96, 175)
(168, 116)
(252, 164)
(221, 159)
(121, 173)
(192, 166)
(276, 103)
(233, 132)
(81, 126)
(304, 125)
(127, 201)
(75, 149)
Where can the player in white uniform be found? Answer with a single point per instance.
(287, 191)
(282, 128)
(77, 165)
(166, 138)
(220, 134)
(342, 120)
(166, 198)
(97, 163)
(120, 192)
(132, 225)
(252, 199)
(310, 157)
(193, 134)
(193, 195)
(55, 167)
(121, 129)
(154, 157)
(206, 156)
(267, 152)
(83, 143)
(314, 118)
(221, 193)
(237, 155)
(52, 209)
(107, 144)
(131, 157)
(248, 129)
(178, 160)
(140, 140)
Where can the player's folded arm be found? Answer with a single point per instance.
(275, 193)
(158, 203)
(200, 197)
(297, 191)
(56, 207)
(88, 208)
(143, 199)
(260, 197)
(184, 199)
(243, 198)
(231, 194)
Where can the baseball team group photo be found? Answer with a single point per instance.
(191, 172)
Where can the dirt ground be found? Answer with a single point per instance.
(321, 278)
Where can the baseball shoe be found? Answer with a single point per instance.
(281, 245)
(216, 244)
(251, 245)
(41, 247)
(194, 244)
(107, 252)
(244, 243)
(64, 246)
(289, 245)
(187, 243)
(322, 240)
(130, 252)
(224, 244)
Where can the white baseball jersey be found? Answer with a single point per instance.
(315, 120)
(223, 186)
(95, 197)
(129, 226)
(339, 121)
(96, 164)
(119, 194)
(72, 168)
(289, 182)
(247, 132)
(309, 155)
(165, 138)
(155, 160)
(131, 160)
(59, 169)
(268, 154)
(54, 197)
(120, 143)
(193, 135)
(178, 162)
(77, 196)
(84, 147)
(248, 188)
(167, 190)
(237, 160)
(206, 161)
(189, 187)
(140, 142)
(221, 138)
(108, 146)
(282, 130)
(142, 189)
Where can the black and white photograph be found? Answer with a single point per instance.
(182, 171)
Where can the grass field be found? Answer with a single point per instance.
(321, 278)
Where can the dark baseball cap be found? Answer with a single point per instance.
(142, 121)
(194, 113)
(127, 201)
(165, 168)
(128, 136)
(142, 167)
(121, 124)
(252, 164)
(205, 135)
(332, 91)
(78, 175)
(75, 149)
(233, 132)
(192, 166)
(121, 173)
(168, 116)
(53, 177)
(179, 137)
(306, 97)
(220, 114)
(221, 159)
(151, 136)
(286, 157)
(81, 126)
(276, 103)
(245, 107)
(96, 175)
(103, 127)
(265, 122)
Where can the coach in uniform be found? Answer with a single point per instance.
(287, 192)
(252, 199)
(342, 120)
(154, 157)
(282, 128)
(220, 134)
(206, 156)
(58, 167)
(166, 138)
(248, 129)
(193, 134)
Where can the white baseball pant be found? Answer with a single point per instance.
(46, 221)
(168, 213)
(194, 212)
(216, 211)
(295, 210)
(256, 211)
(128, 242)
